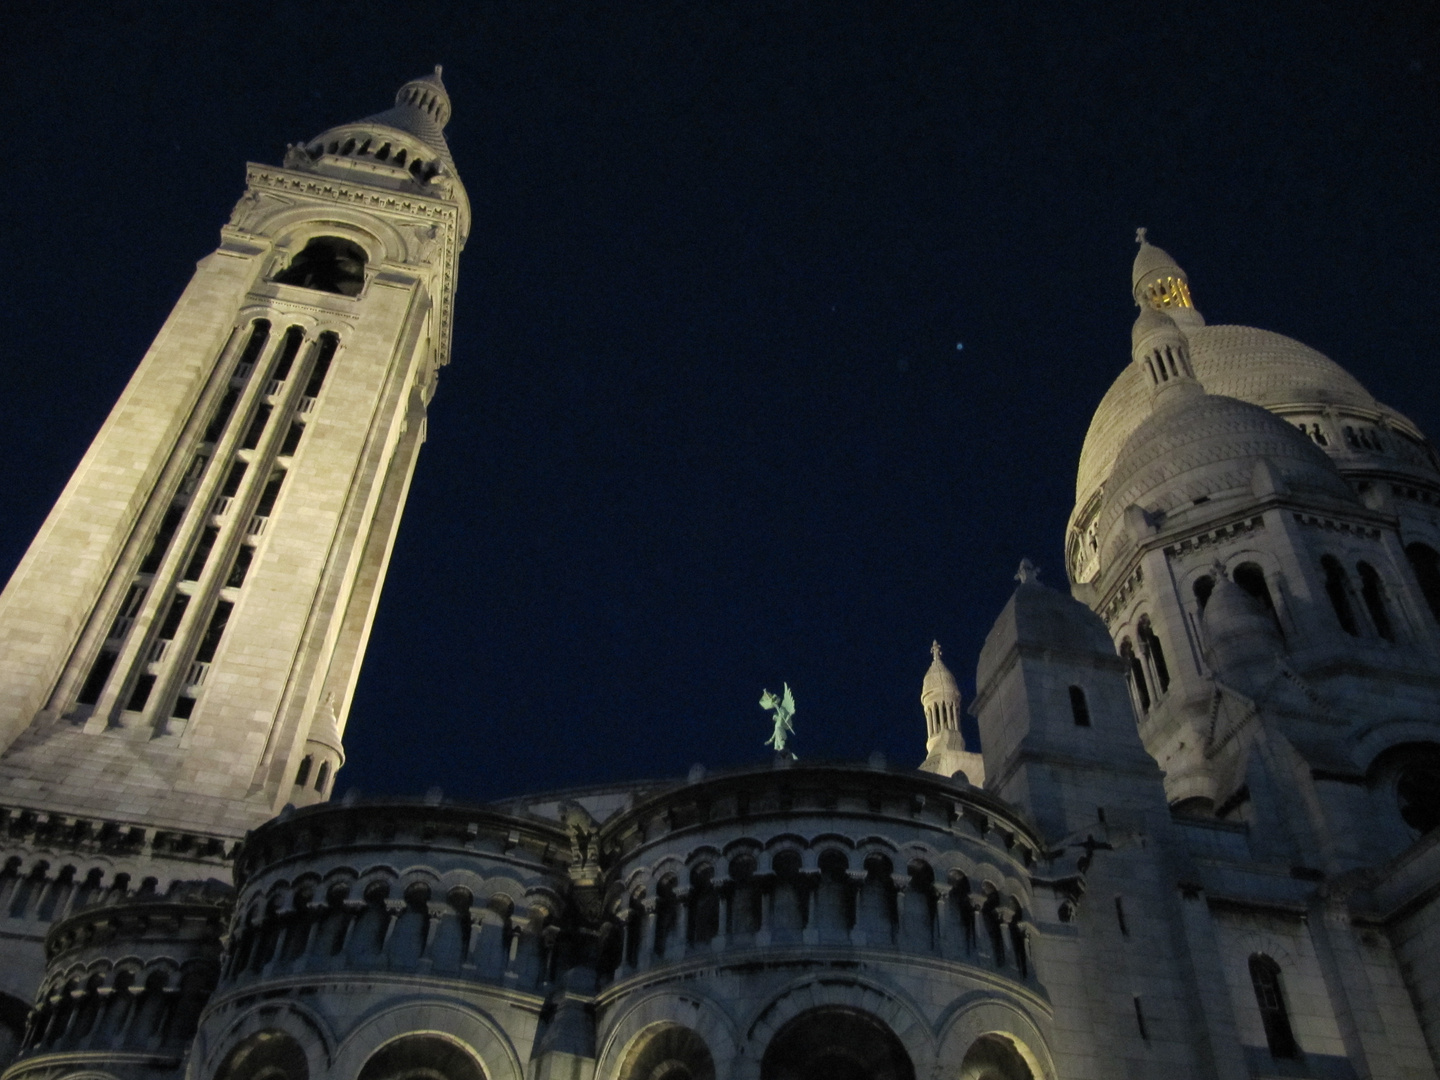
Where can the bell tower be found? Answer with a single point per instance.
(180, 643)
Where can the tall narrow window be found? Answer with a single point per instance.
(240, 568)
(1137, 675)
(95, 681)
(1337, 588)
(222, 415)
(1265, 977)
(163, 535)
(1373, 593)
(1151, 643)
(270, 494)
(1079, 708)
(303, 774)
(322, 777)
(1251, 578)
(201, 554)
(294, 337)
(259, 334)
(323, 355)
(171, 623)
(1203, 587)
(141, 694)
(214, 632)
(256, 428)
(232, 480)
(1425, 561)
(292, 438)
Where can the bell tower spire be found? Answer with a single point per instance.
(180, 644)
(944, 744)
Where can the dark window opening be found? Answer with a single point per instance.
(1079, 708)
(1151, 643)
(163, 535)
(1137, 675)
(256, 429)
(193, 474)
(303, 774)
(141, 694)
(1417, 790)
(294, 337)
(270, 494)
(232, 481)
(184, 707)
(240, 568)
(95, 681)
(222, 415)
(1251, 578)
(172, 617)
(211, 641)
(1203, 587)
(201, 554)
(322, 777)
(323, 355)
(1425, 561)
(258, 336)
(1337, 587)
(292, 438)
(1265, 977)
(329, 264)
(1373, 593)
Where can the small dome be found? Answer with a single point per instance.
(1039, 616)
(1257, 366)
(1152, 262)
(939, 683)
(1198, 446)
(1151, 323)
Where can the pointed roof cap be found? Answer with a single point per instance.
(422, 107)
(1152, 262)
(939, 681)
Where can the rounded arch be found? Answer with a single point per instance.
(900, 1016)
(426, 1056)
(1370, 742)
(974, 1022)
(294, 227)
(835, 1042)
(665, 1007)
(295, 1021)
(481, 1037)
(995, 1057)
(269, 1054)
(667, 1051)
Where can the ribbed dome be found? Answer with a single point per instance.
(1242, 362)
(1204, 445)
(939, 682)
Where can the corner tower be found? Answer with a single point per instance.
(179, 646)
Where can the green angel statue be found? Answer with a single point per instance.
(784, 708)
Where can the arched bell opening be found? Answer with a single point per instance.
(835, 1043)
(329, 264)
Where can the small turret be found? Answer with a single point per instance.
(1159, 283)
(944, 745)
(1159, 349)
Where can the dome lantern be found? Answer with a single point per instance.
(1159, 283)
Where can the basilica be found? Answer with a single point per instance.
(1200, 838)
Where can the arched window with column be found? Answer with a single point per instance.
(1372, 591)
(1137, 674)
(266, 1055)
(1337, 588)
(1270, 997)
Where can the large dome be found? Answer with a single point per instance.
(1204, 447)
(1258, 366)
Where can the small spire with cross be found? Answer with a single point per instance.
(1140, 235)
(1028, 574)
(935, 651)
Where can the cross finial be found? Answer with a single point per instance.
(1028, 574)
(1140, 235)
(935, 651)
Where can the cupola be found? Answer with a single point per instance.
(1159, 283)
(945, 751)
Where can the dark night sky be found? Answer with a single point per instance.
(706, 426)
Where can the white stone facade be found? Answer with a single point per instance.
(1200, 839)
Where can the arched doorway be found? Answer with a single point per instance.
(835, 1043)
